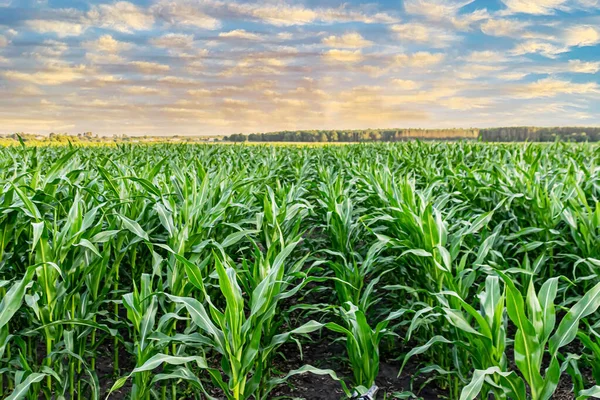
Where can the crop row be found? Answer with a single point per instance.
(192, 271)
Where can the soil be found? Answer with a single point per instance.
(322, 354)
(105, 371)
(322, 387)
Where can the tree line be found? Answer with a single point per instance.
(355, 135)
(507, 134)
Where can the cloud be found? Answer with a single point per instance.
(176, 81)
(49, 51)
(174, 41)
(184, 12)
(4, 41)
(140, 90)
(465, 21)
(485, 57)
(422, 33)
(279, 13)
(544, 48)
(435, 9)
(240, 34)
(405, 84)
(512, 76)
(351, 40)
(51, 75)
(475, 71)
(465, 103)
(104, 58)
(150, 68)
(550, 87)
(121, 16)
(107, 44)
(536, 7)
(257, 64)
(60, 28)
(343, 56)
(421, 59)
(504, 27)
(582, 35)
(581, 67)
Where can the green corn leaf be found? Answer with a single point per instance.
(569, 326)
(22, 388)
(422, 349)
(11, 302)
(527, 349)
(134, 227)
(587, 393)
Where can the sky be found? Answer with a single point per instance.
(195, 67)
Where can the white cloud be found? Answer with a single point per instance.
(184, 12)
(51, 75)
(503, 27)
(582, 35)
(588, 4)
(104, 58)
(31, 90)
(60, 28)
(435, 9)
(550, 87)
(107, 44)
(474, 71)
(422, 33)
(240, 34)
(140, 90)
(177, 81)
(174, 41)
(343, 56)
(256, 64)
(485, 57)
(149, 68)
(405, 84)
(465, 21)
(351, 40)
(421, 59)
(3, 41)
(544, 48)
(49, 50)
(465, 103)
(512, 76)
(536, 7)
(121, 16)
(581, 67)
(285, 35)
(280, 13)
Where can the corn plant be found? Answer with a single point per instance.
(534, 317)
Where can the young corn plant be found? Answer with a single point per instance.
(480, 346)
(534, 317)
(353, 270)
(241, 333)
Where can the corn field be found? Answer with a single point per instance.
(195, 271)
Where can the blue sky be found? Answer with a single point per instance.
(219, 66)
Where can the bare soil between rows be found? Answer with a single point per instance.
(308, 386)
